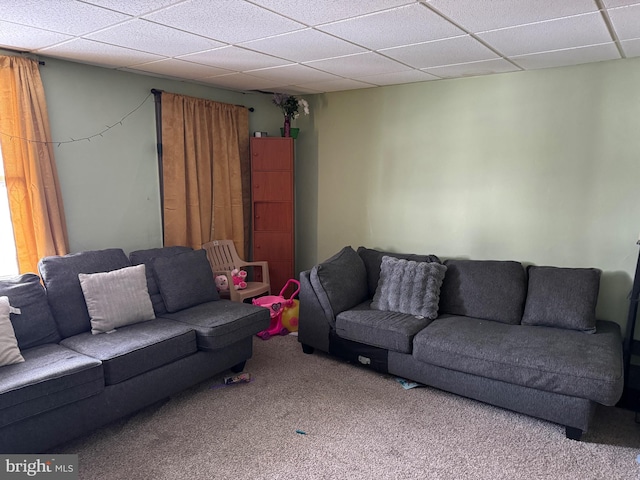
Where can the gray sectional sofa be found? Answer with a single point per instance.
(105, 335)
(525, 339)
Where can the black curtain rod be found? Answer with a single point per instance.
(157, 93)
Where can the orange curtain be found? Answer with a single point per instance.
(205, 149)
(35, 201)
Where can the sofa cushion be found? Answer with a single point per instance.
(489, 289)
(223, 322)
(550, 359)
(562, 297)
(117, 298)
(50, 376)
(185, 280)
(9, 351)
(373, 259)
(60, 277)
(409, 287)
(147, 257)
(340, 282)
(378, 328)
(135, 349)
(32, 319)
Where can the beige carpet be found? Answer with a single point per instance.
(359, 424)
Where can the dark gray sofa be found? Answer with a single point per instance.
(522, 339)
(72, 381)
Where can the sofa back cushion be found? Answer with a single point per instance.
(562, 298)
(147, 258)
(340, 282)
(373, 259)
(60, 277)
(185, 280)
(486, 289)
(34, 324)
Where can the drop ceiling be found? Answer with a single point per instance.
(314, 46)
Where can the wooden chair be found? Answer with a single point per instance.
(223, 258)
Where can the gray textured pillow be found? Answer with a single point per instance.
(9, 351)
(562, 297)
(340, 282)
(117, 298)
(407, 286)
(185, 280)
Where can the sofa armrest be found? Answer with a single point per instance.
(313, 326)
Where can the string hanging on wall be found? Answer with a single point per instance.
(72, 140)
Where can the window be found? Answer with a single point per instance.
(8, 258)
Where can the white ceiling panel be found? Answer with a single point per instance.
(400, 26)
(234, 58)
(229, 21)
(22, 37)
(574, 56)
(569, 32)
(325, 11)
(481, 15)
(361, 64)
(441, 52)
(626, 21)
(324, 45)
(61, 16)
(176, 68)
(484, 67)
(310, 45)
(96, 53)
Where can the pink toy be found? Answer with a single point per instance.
(222, 283)
(276, 305)
(238, 277)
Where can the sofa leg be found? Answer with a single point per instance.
(239, 367)
(308, 349)
(573, 433)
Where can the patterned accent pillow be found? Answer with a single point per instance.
(117, 298)
(9, 351)
(409, 287)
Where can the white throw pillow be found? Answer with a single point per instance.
(117, 298)
(9, 351)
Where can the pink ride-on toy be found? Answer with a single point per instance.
(276, 305)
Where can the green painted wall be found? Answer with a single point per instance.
(540, 167)
(110, 184)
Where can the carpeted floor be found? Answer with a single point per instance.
(357, 424)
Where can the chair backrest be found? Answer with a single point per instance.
(222, 255)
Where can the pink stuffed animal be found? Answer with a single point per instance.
(238, 277)
(222, 283)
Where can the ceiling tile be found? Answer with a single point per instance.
(338, 85)
(360, 64)
(295, 90)
(224, 20)
(441, 52)
(180, 69)
(241, 81)
(234, 58)
(293, 74)
(631, 48)
(325, 11)
(484, 67)
(480, 15)
(137, 7)
(303, 46)
(96, 53)
(28, 38)
(619, 3)
(572, 56)
(416, 24)
(626, 21)
(396, 78)
(62, 16)
(153, 38)
(588, 29)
